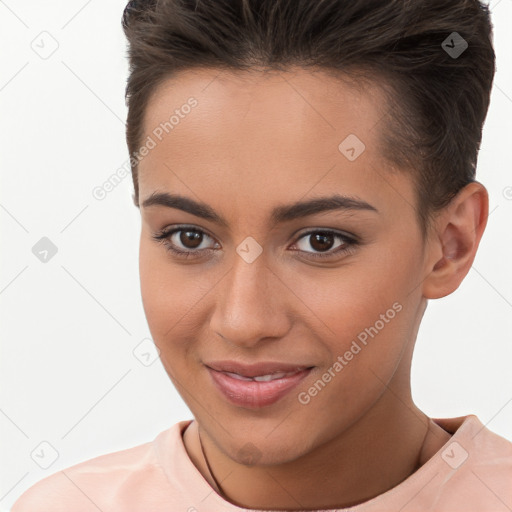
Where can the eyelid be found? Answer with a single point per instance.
(166, 232)
(171, 230)
(345, 234)
(350, 240)
(347, 246)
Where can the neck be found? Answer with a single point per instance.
(380, 450)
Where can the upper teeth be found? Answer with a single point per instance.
(260, 378)
(265, 378)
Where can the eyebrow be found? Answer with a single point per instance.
(280, 214)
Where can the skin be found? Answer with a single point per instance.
(255, 141)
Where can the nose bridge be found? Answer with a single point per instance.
(248, 305)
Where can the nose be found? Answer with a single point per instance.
(251, 305)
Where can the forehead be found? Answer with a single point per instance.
(264, 132)
(302, 100)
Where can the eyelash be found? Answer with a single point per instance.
(164, 235)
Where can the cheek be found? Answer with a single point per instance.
(363, 313)
(175, 298)
(365, 333)
(166, 302)
(164, 296)
(348, 299)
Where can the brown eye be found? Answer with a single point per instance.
(325, 244)
(190, 239)
(185, 242)
(321, 241)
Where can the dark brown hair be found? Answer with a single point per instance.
(437, 101)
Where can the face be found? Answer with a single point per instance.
(331, 287)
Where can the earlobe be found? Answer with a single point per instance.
(457, 234)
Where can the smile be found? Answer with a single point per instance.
(257, 391)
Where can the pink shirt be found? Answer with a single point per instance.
(471, 472)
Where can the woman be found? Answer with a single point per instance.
(305, 174)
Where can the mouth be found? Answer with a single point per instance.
(256, 386)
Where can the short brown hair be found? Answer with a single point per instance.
(438, 102)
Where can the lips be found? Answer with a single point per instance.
(260, 378)
(256, 385)
(256, 369)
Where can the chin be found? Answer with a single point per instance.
(261, 448)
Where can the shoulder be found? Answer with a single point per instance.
(487, 447)
(101, 483)
(477, 467)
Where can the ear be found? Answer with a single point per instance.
(454, 240)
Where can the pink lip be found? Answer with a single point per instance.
(253, 394)
(254, 369)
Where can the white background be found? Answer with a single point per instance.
(69, 326)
